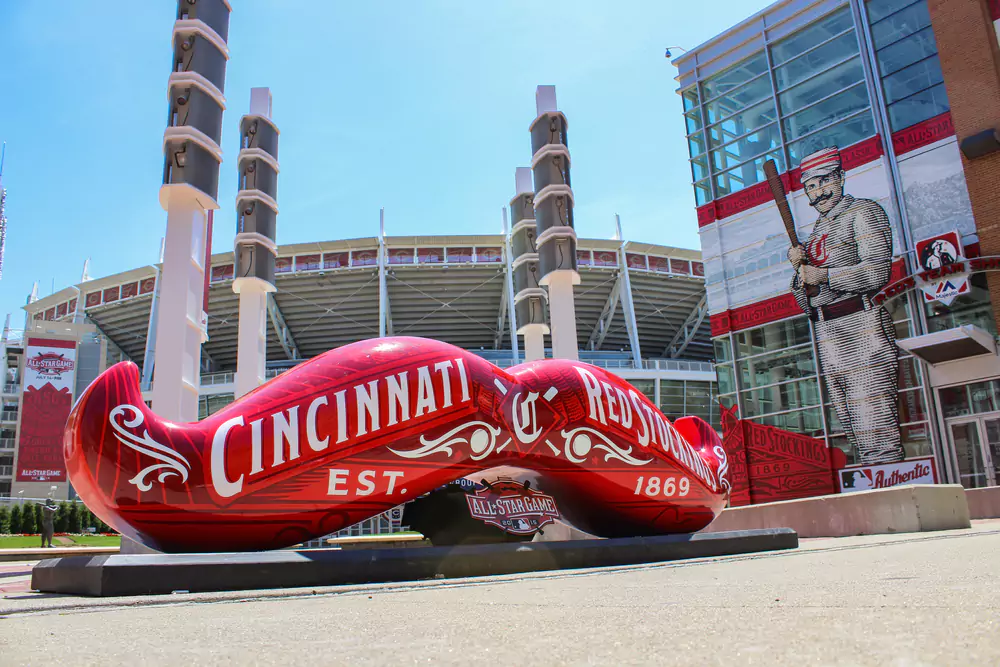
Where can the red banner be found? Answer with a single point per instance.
(768, 464)
(49, 377)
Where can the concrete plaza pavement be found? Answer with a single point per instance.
(914, 599)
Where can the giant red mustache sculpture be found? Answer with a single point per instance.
(366, 427)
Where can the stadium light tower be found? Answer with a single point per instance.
(530, 299)
(554, 220)
(190, 188)
(256, 221)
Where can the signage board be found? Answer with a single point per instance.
(49, 380)
(866, 478)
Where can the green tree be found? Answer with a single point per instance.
(15, 520)
(73, 519)
(28, 526)
(4, 520)
(39, 518)
(59, 521)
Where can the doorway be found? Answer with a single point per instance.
(976, 443)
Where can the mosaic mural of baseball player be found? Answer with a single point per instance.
(846, 260)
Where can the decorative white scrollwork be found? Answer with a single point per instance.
(170, 462)
(580, 441)
(481, 441)
(720, 453)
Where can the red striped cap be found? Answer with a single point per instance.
(821, 163)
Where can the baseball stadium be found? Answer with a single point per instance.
(640, 311)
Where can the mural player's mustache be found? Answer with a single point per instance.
(821, 198)
(366, 427)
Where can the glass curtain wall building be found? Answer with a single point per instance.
(801, 76)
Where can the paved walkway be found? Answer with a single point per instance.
(924, 599)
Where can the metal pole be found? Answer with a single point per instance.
(382, 295)
(627, 305)
(509, 286)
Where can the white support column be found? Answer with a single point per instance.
(181, 327)
(562, 313)
(251, 346)
(554, 219)
(626, 296)
(534, 342)
(508, 279)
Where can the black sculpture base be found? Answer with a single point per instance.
(119, 575)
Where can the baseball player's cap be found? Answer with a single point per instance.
(820, 163)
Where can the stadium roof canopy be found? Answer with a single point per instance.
(451, 288)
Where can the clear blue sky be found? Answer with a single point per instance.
(420, 107)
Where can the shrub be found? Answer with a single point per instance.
(4, 519)
(39, 517)
(59, 521)
(73, 519)
(28, 525)
(15, 520)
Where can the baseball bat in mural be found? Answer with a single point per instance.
(366, 427)
(781, 199)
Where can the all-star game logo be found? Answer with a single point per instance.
(513, 507)
(50, 364)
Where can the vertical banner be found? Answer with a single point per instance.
(49, 377)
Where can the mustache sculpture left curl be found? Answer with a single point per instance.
(369, 426)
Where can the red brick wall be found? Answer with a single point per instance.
(967, 44)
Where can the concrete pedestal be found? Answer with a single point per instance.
(161, 574)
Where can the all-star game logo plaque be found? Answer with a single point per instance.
(512, 507)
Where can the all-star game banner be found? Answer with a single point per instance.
(49, 380)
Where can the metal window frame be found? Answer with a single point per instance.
(814, 376)
(772, 43)
(883, 75)
(743, 136)
(701, 82)
(829, 97)
(747, 105)
(836, 64)
(786, 116)
(744, 162)
(876, 49)
(784, 349)
(904, 8)
(783, 412)
(836, 122)
(912, 95)
(729, 170)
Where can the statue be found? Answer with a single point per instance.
(367, 427)
(48, 522)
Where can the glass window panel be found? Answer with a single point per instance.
(808, 65)
(741, 123)
(914, 18)
(813, 90)
(690, 97)
(745, 175)
(723, 352)
(908, 374)
(702, 193)
(841, 443)
(974, 308)
(699, 168)
(918, 108)
(842, 134)
(879, 9)
(778, 367)
(829, 111)
(743, 149)
(906, 52)
(911, 406)
(955, 401)
(734, 76)
(672, 398)
(772, 337)
(696, 144)
(912, 79)
(646, 387)
(916, 439)
(804, 39)
(738, 99)
(778, 398)
(983, 397)
(693, 121)
(807, 422)
(727, 380)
